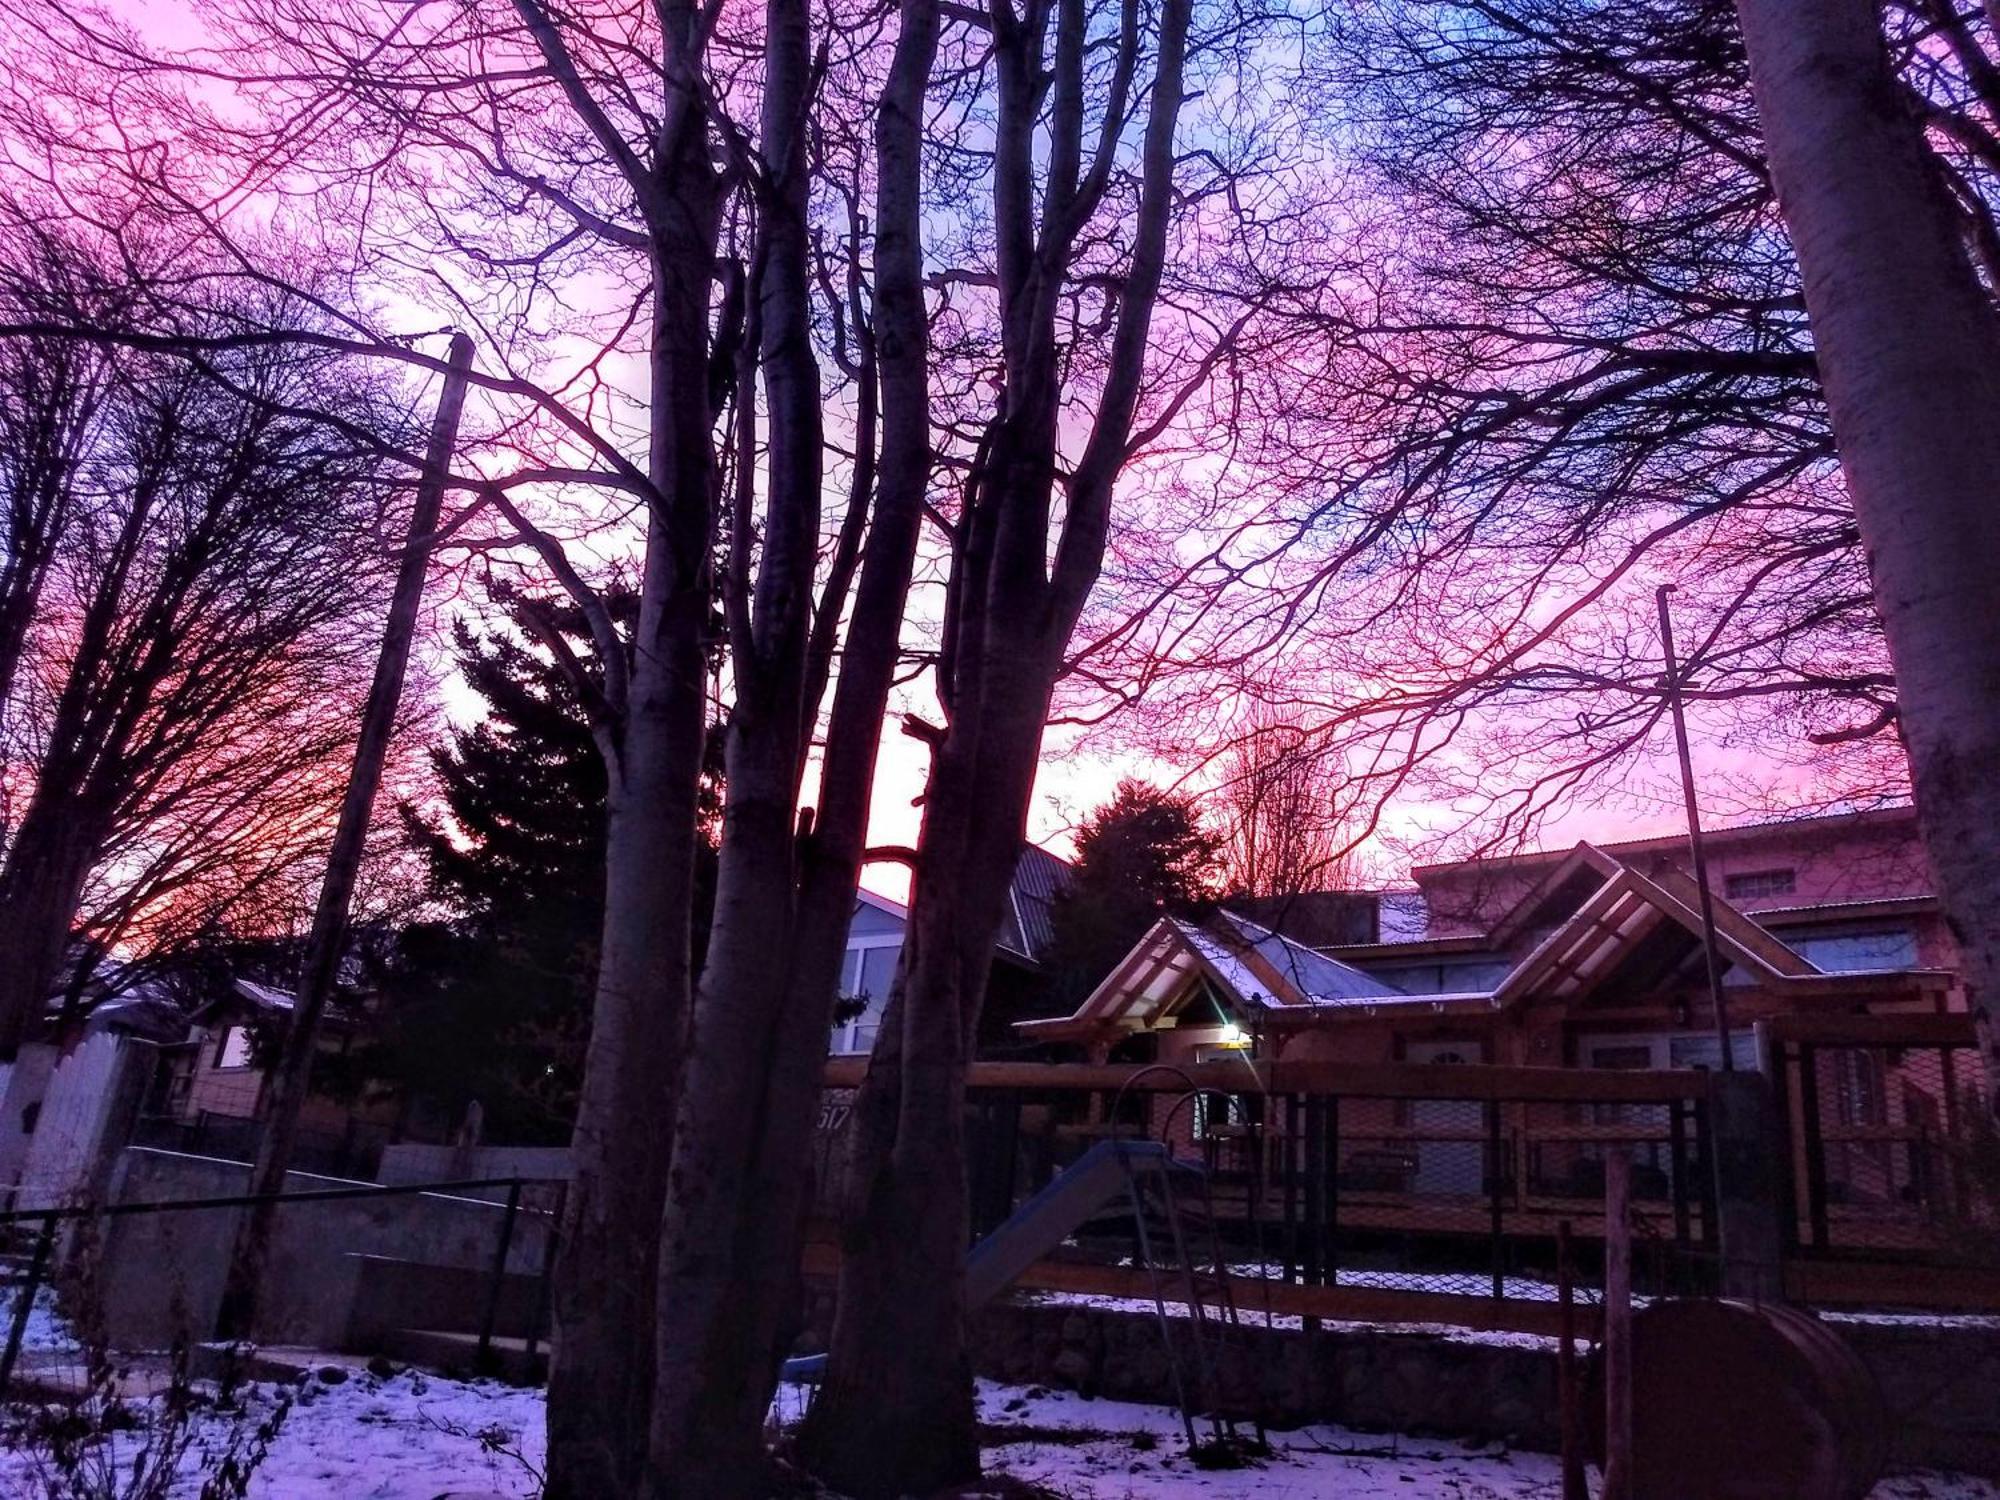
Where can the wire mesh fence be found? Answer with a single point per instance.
(1892, 1150)
(1399, 1191)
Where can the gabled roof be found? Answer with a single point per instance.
(1626, 919)
(1250, 967)
(1029, 926)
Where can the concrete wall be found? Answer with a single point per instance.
(160, 1274)
(27, 1082)
(545, 1168)
(88, 1107)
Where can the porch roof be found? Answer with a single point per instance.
(1631, 930)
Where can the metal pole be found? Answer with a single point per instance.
(497, 1283)
(1715, 995)
(1574, 1486)
(18, 1328)
(292, 1079)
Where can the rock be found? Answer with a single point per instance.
(382, 1368)
(333, 1374)
(1072, 1366)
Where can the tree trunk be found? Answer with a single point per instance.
(730, 1194)
(896, 1414)
(1909, 354)
(40, 890)
(600, 1380)
(605, 1295)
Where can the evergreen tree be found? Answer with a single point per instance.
(491, 1003)
(1143, 853)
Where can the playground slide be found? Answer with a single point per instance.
(1075, 1196)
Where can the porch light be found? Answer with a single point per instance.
(1233, 1035)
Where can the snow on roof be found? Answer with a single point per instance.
(1249, 958)
(263, 994)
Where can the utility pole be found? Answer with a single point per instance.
(293, 1078)
(1716, 999)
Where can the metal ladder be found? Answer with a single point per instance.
(1208, 1295)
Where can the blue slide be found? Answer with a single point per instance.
(1073, 1197)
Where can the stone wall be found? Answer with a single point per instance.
(1940, 1379)
(1372, 1380)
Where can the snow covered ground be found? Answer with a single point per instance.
(418, 1437)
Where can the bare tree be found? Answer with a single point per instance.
(52, 388)
(586, 165)
(1570, 358)
(1285, 827)
(1909, 354)
(215, 555)
(895, 1415)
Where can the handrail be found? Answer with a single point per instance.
(510, 1209)
(1952, 1029)
(245, 1200)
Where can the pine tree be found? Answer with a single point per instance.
(492, 1001)
(1143, 853)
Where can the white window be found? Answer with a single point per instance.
(866, 972)
(1752, 884)
(235, 1049)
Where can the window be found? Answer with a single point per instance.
(1690, 1049)
(866, 971)
(1212, 1110)
(1857, 952)
(1752, 884)
(234, 1051)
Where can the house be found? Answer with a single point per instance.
(1587, 958)
(1590, 957)
(1015, 991)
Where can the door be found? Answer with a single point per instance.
(1449, 1146)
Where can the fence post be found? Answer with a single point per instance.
(1678, 1162)
(1495, 1204)
(1746, 1145)
(1617, 1325)
(538, 1320)
(1292, 1163)
(1330, 1169)
(1813, 1134)
(1314, 1257)
(498, 1281)
(1574, 1485)
(17, 1329)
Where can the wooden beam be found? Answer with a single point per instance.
(1914, 1030)
(1836, 1283)
(1357, 1080)
(1344, 1304)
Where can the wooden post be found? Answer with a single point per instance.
(1749, 1148)
(1574, 1485)
(1617, 1326)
